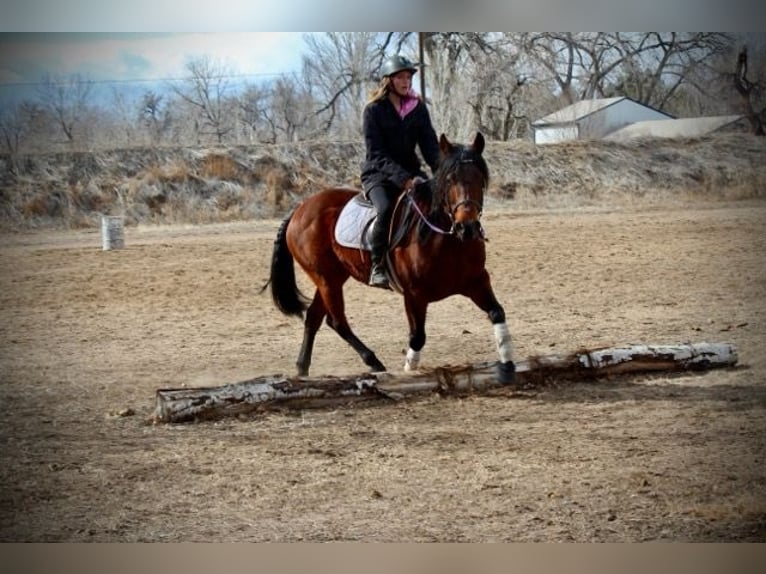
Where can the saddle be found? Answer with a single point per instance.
(354, 222)
(357, 216)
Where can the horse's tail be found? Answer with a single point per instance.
(284, 290)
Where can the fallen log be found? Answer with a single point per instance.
(278, 391)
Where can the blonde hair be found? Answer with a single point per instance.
(381, 91)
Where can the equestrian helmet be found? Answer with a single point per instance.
(396, 64)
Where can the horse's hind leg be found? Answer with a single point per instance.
(315, 313)
(336, 319)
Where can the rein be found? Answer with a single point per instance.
(425, 220)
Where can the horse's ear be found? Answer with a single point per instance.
(445, 145)
(478, 143)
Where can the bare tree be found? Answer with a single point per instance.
(67, 101)
(656, 66)
(749, 92)
(498, 86)
(448, 68)
(290, 112)
(13, 127)
(121, 116)
(341, 67)
(649, 67)
(253, 103)
(555, 55)
(155, 115)
(477, 82)
(207, 89)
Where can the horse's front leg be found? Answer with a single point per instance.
(483, 296)
(416, 317)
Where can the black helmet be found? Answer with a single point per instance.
(396, 64)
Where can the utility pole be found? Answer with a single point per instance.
(421, 55)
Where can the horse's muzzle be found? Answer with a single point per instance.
(465, 217)
(468, 230)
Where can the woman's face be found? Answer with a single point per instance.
(401, 82)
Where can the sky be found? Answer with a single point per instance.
(174, 15)
(147, 39)
(128, 56)
(133, 63)
(153, 39)
(345, 15)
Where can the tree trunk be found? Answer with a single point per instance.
(745, 87)
(278, 391)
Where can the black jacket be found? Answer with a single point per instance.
(391, 142)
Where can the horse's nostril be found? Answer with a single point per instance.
(468, 231)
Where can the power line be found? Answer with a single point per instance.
(146, 80)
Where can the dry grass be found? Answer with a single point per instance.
(219, 166)
(208, 185)
(662, 172)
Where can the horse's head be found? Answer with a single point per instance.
(461, 180)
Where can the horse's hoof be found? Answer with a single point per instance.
(506, 372)
(375, 365)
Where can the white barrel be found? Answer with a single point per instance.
(112, 232)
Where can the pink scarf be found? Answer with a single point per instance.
(408, 103)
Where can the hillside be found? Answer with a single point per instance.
(198, 185)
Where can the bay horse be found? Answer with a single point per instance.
(441, 254)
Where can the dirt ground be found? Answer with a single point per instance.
(87, 337)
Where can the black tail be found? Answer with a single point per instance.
(284, 291)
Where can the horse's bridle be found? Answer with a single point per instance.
(465, 202)
(445, 204)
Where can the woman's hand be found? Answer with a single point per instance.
(412, 183)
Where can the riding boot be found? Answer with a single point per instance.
(378, 248)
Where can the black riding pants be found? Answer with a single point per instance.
(383, 197)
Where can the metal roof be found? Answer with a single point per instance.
(584, 108)
(683, 127)
(576, 111)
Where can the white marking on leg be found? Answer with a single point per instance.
(503, 342)
(412, 361)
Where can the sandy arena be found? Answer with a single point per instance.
(88, 336)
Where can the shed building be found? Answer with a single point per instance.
(593, 119)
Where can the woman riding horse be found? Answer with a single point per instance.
(442, 254)
(395, 121)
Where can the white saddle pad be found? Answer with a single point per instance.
(353, 221)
